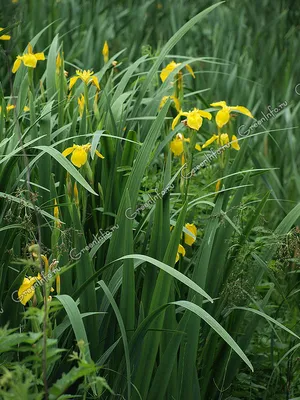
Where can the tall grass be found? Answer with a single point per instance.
(124, 318)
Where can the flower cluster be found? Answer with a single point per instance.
(194, 121)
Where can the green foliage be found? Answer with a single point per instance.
(125, 298)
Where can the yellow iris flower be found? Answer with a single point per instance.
(4, 37)
(27, 290)
(170, 68)
(189, 240)
(105, 52)
(79, 154)
(181, 250)
(222, 140)
(175, 100)
(176, 145)
(223, 115)
(29, 59)
(86, 76)
(8, 108)
(194, 118)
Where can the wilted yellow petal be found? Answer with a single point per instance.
(76, 194)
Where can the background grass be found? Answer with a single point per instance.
(139, 327)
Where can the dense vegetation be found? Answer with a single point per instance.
(149, 200)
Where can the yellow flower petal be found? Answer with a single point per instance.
(167, 70)
(68, 151)
(29, 60)
(176, 120)
(242, 110)
(181, 250)
(176, 146)
(234, 143)
(73, 80)
(222, 117)
(188, 239)
(219, 104)
(205, 114)
(210, 141)
(79, 157)
(10, 107)
(194, 120)
(190, 70)
(4, 37)
(176, 102)
(26, 109)
(198, 147)
(99, 154)
(40, 56)
(17, 64)
(26, 290)
(218, 185)
(163, 101)
(94, 81)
